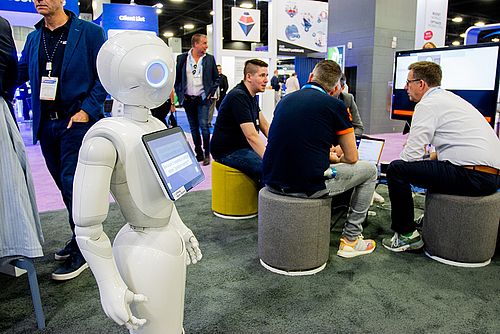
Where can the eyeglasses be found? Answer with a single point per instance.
(194, 69)
(412, 80)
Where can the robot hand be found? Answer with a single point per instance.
(193, 248)
(116, 304)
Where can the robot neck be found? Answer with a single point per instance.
(136, 113)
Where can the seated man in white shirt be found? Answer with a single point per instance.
(466, 161)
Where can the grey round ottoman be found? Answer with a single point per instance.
(294, 233)
(461, 230)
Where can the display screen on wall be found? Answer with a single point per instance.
(302, 26)
(469, 71)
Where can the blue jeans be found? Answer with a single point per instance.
(60, 147)
(246, 161)
(197, 115)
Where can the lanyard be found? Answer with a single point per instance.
(315, 87)
(48, 65)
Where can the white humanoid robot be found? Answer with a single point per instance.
(142, 278)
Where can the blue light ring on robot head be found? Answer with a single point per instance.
(153, 81)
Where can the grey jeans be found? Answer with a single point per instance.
(361, 176)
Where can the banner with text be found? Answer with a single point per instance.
(28, 6)
(302, 26)
(430, 30)
(119, 17)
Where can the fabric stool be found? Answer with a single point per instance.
(234, 194)
(461, 230)
(294, 233)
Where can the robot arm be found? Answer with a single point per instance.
(190, 241)
(96, 161)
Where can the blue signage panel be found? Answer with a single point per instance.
(28, 6)
(129, 17)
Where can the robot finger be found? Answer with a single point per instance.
(139, 298)
(137, 322)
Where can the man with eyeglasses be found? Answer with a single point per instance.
(466, 161)
(196, 81)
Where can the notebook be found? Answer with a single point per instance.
(173, 161)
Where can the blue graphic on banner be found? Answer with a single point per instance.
(28, 6)
(246, 23)
(129, 17)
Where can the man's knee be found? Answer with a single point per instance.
(395, 167)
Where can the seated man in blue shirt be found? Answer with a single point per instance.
(236, 141)
(297, 161)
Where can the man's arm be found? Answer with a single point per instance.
(421, 134)
(347, 143)
(93, 102)
(215, 77)
(356, 119)
(253, 138)
(263, 124)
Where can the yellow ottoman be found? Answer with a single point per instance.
(234, 194)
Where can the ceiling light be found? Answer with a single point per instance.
(159, 10)
(462, 35)
(456, 43)
(246, 5)
(189, 26)
(158, 5)
(168, 34)
(457, 19)
(479, 24)
(496, 39)
(212, 13)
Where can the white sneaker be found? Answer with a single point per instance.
(377, 198)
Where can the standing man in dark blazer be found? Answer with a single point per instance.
(195, 83)
(59, 60)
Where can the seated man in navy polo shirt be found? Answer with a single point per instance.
(236, 141)
(297, 161)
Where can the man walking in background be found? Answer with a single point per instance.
(195, 83)
(276, 86)
(59, 60)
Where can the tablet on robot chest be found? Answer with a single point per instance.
(173, 160)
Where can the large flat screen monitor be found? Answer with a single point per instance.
(469, 71)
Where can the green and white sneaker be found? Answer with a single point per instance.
(400, 243)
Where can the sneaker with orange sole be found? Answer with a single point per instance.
(348, 248)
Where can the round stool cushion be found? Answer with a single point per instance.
(460, 228)
(294, 233)
(233, 192)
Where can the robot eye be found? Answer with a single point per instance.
(156, 74)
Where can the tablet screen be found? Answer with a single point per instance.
(174, 161)
(370, 149)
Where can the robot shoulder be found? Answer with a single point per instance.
(98, 151)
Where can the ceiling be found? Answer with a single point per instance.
(175, 14)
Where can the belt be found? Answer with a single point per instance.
(192, 97)
(484, 169)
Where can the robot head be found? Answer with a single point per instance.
(136, 68)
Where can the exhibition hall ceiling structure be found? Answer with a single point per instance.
(183, 18)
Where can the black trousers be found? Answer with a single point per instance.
(436, 176)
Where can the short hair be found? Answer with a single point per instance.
(327, 73)
(428, 71)
(252, 66)
(196, 38)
